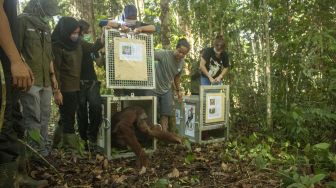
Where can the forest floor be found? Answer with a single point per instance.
(170, 166)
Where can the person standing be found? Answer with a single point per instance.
(89, 113)
(15, 76)
(214, 63)
(35, 47)
(129, 22)
(67, 63)
(168, 69)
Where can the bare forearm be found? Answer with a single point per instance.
(204, 69)
(6, 39)
(177, 83)
(51, 68)
(223, 73)
(148, 29)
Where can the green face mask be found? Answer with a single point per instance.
(87, 37)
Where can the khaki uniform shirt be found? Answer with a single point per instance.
(35, 47)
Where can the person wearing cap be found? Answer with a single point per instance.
(89, 113)
(130, 22)
(35, 47)
(214, 63)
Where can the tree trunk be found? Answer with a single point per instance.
(83, 9)
(164, 17)
(268, 67)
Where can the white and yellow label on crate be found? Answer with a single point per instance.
(215, 104)
(130, 59)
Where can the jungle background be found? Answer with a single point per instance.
(282, 95)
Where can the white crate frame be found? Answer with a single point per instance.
(105, 130)
(109, 61)
(200, 125)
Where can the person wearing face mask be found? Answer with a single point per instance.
(168, 70)
(67, 50)
(35, 47)
(89, 113)
(214, 63)
(129, 22)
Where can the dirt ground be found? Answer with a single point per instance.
(171, 166)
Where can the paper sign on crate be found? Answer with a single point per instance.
(214, 107)
(130, 59)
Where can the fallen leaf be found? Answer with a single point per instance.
(46, 175)
(174, 174)
(202, 159)
(33, 174)
(225, 167)
(118, 179)
(100, 158)
(105, 164)
(198, 150)
(143, 170)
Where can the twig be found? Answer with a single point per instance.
(40, 156)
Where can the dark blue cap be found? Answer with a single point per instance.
(130, 11)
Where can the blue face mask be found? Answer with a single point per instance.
(74, 37)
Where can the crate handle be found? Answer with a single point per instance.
(107, 123)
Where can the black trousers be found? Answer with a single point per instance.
(89, 113)
(11, 129)
(68, 111)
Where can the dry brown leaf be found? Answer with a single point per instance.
(174, 174)
(198, 150)
(100, 158)
(99, 177)
(202, 159)
(225, 167)
(119, 179)
(143, 170)
(33, 174)
(46, 175)
(105, 164)
(97, 171)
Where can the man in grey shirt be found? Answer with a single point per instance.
(168, 69)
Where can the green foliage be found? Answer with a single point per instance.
(35, 135)
(306, 181)
(161, 183)
(189, 158)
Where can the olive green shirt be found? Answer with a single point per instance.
(67, 66)
(35, 47)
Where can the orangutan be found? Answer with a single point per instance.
(130, 124)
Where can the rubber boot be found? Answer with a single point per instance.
(8, 173)
(72, 143)
(58, 134)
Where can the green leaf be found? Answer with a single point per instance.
(190, 158)
(322, 146)
(187, 144)
(317, 178)
(331, 184)
(35, 135)
(296, 185)
(260, 162)
(161, 183)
